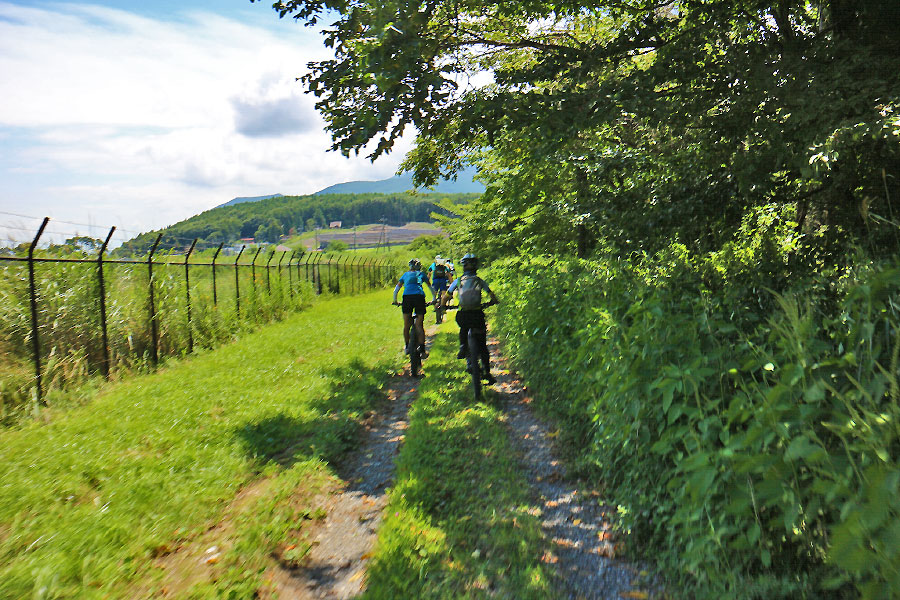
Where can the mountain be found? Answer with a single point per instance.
(464, 184)
(250, 199)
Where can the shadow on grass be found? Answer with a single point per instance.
(334, 419)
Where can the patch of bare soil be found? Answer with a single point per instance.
(584, 547)
(341, 544)
(195, 561)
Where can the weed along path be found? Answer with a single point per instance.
(204, 478)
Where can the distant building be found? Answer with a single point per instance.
(335, 224)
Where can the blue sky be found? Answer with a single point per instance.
(141, 113)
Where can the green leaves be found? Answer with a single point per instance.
(743, 451)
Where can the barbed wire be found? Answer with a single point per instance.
(8, 238)
(3, 212)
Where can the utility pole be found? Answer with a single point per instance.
(382, 237)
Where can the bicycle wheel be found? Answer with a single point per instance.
(438, 315)
(415, 360)
(473, 363)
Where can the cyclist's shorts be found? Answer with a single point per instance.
(440, 284)
(469, 319)
(413, 303)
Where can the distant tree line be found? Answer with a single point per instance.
(267, 220)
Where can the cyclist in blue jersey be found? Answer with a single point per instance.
(413, 301)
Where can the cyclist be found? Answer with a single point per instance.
(470, 314)
(413, 301)
(440, 274)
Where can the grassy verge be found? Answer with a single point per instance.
(88, 501)
(458, 522)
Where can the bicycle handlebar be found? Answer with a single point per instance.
(483, 305)
(432, 303)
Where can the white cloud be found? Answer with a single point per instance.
(154, 121)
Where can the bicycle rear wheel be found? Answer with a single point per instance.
(473, 365)
(412, 348)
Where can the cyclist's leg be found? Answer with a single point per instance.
(407, 323)
(420, 329)
(473, 345)
(419, 318)
(480, 329)
(463, 334)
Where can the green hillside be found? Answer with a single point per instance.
(267, 220)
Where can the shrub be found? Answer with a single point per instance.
(750, 438)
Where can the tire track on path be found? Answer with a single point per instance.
(342, 543)
(584, 544)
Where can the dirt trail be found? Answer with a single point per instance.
(572, 517)
(341, 544)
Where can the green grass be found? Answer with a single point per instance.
(458, 523)
(87, 500)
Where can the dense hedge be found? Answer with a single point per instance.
(750, 439)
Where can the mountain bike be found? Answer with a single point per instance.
(439, 310)
(477, 349)
(412, 348)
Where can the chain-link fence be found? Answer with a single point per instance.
(88, 313)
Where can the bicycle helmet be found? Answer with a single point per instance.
(469, 260)
(414, 264)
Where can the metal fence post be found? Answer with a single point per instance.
(253, 265)
(187, 291)
(353, 274)
(365, 273)
(104, 338)
(253, 276)
(32, 286)
(268, 274)
(219, 249)
(338, 278)
(291, 277)
(317, 271)
(154, 325)
(280, 277)
(299, 258)
(237, 283)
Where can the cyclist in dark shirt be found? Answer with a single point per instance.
(470, 315)
(413, 301)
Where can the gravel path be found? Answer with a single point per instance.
(336, 564)
(572, 517)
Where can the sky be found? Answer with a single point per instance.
(141, 113)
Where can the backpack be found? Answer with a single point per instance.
(440, 271)
(470, 287)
